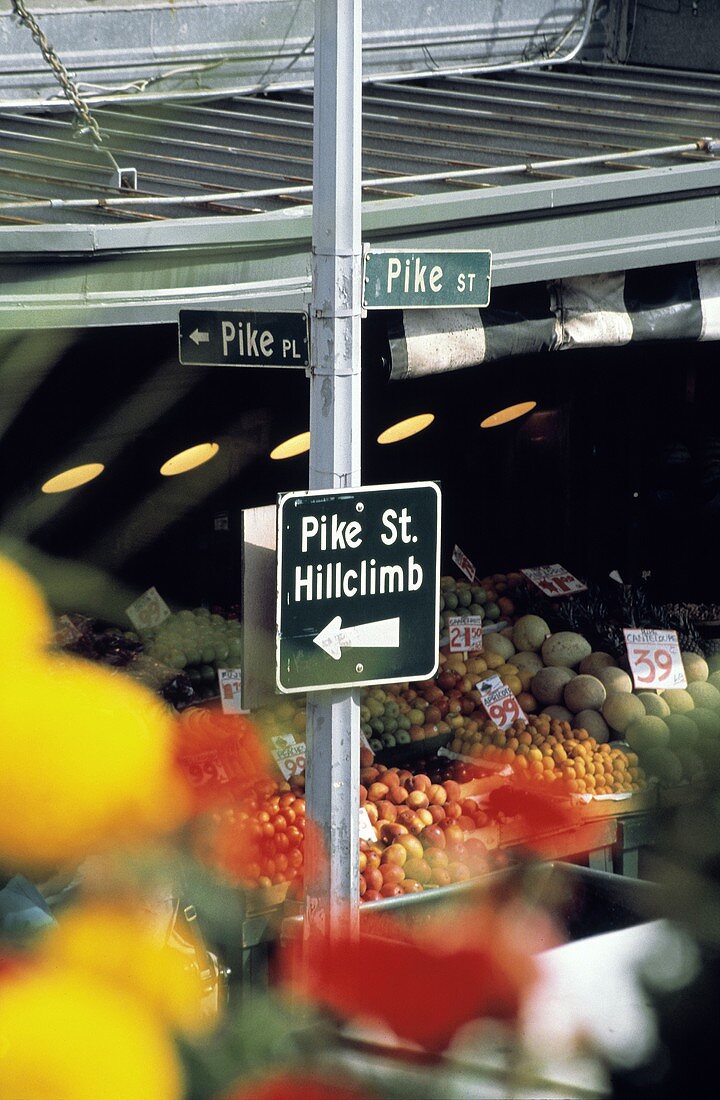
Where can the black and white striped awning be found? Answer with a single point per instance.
(677, 302)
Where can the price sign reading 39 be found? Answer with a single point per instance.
(655, 660)
(500, 704)
(465, 633)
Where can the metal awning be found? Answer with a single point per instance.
(582, 169)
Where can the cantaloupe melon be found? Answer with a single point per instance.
(714, 679)
(679, 700)
(696, 667)
(565, 649)
(664, 764)
(683, 731)
(594, 723)
(584, 693)
(614, 680)
(529, 632)
(548, 684)
(647, 733)
(561, 714)
(654, 704)
(528, 660)
(497, 643)
(704, 694)
(707, 722)
(597, 660)
(621, 709)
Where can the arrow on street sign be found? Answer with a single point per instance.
(382, 634)
(199, 337)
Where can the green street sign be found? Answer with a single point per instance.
(425, 280)
(358, 586)
(218, 338)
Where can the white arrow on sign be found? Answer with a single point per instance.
(199, 337)
(382, 634)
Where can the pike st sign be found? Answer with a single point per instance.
(250, 339)
(358, 586)
(426, 280)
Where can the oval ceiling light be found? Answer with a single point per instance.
(73, 478)
(189, 459)
(405, 428)
(296, 445)
(504, 416)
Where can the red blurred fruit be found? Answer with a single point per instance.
(392, 890)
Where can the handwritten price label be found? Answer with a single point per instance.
(148, 610)
(464, 564)
(500, 704)
(367, 829)
(203, 768)
(230, 684)
(554, 580)
(654, 657)
(289, 754)
(465, 634)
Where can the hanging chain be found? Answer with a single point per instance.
(60, 73)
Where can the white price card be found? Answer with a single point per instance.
(367, 829)
(148, 610)
(465, 633)
(654, 657)
(464, 564)
(230, 685)
(500, 704)
(289, 754)
(66, 633)
(554, 580)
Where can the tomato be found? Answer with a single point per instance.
(280, 823)
(294, 835)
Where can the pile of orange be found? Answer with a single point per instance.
(548, 750)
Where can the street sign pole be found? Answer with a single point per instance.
(333, 717)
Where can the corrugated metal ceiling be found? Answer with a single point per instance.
(250, 154)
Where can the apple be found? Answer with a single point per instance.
(433, 837)
(396, 853)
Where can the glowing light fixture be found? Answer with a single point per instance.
(73, 478)
(296, 445)
(189, 459)
(405, 428)
(504, 416)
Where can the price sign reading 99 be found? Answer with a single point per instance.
(500, 704)
(655, 660)
(289, 754)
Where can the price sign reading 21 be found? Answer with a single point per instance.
(655, 660)
(500, 704)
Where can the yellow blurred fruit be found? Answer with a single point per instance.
(125, 950)
(25, 623)
(87, 761)
(64, 1036)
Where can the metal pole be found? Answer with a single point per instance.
(333, 723)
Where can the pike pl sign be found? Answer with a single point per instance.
(216, 338)
(358, 586)
(426, 280)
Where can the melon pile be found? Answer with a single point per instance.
(675, 733)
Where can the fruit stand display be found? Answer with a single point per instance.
(435, 761)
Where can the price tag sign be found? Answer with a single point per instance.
(367, 829)
(465, 633)
(500, 704)
(230, 684)
(464, 564)
(554, 580)
(66, 633)
(148, 610)
(289, 754)
(204, 767)
(654, 657)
